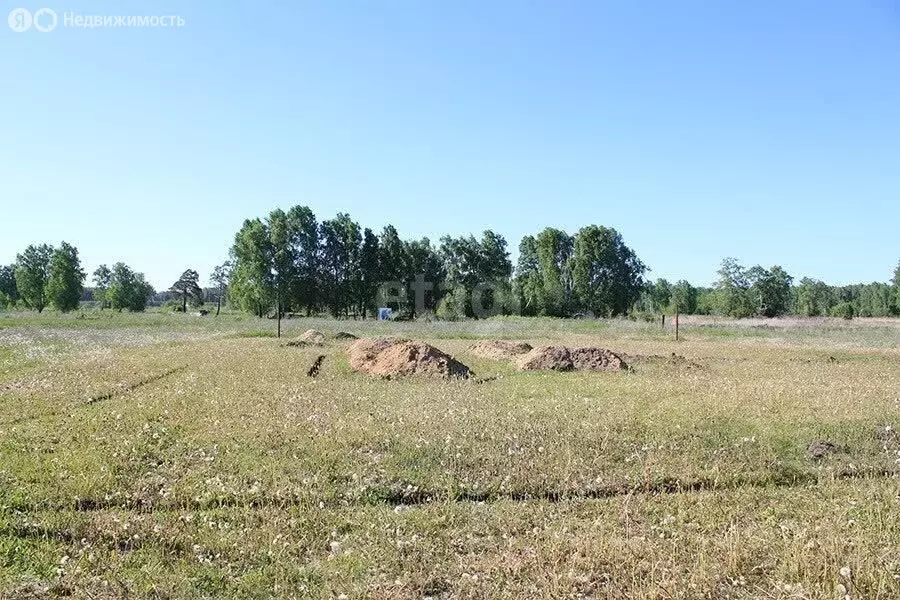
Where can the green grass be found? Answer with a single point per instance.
(209, 465)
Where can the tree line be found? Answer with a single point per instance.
(290, 262)
(45, 276)
(758, 292)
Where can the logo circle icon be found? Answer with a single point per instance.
(19, 20)
(51, 20)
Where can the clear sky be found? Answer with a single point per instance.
(768, 130)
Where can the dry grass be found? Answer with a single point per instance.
(213, 467)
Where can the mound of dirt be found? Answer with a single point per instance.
(596, 359)
(343, 335)
(311, 336)
(499, 349)
(546, 358)
(364, 351)
(821, 449)
(560, 358)
(392, 357)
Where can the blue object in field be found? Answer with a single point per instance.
(384, 314)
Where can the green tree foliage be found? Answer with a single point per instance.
(844, 310)
(607, 275)
(66, 280)
(660, 293)
(424, 275)
(867, 300)
(340, 238)
(32, 274)
(283, 240)
(9, 294)
(462, 257)
(751, 292)
(493, 294)
(814, 298)
(305, 237)
(293, 260)
(684, 298)
(369, 273)
(252, 285)
(874, 300)
(102, 277)
(895, 291)
(554, 251)
(481, 269)
(453, 304)
(770, 290)
(276, 262)
(188, 287)
(528, 283)
(392, 267)
(733, 297)
(220, 277)
(128, 290)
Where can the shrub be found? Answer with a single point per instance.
(843, 310)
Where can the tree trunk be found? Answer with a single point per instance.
(278, 316)
(219, 304)
(184, 302)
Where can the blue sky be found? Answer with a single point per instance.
(764, 130)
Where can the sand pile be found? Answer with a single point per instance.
(392, 357)
(499, 349)
(561, 358)
(311, 336)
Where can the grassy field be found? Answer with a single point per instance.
(172, 456)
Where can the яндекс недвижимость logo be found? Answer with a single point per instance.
(43, 20)
(46, 20)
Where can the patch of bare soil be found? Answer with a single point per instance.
(392, 357)
(499, 349)
(561, 358)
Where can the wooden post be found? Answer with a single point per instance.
(664, 321)
(676, 325)
(278, 316)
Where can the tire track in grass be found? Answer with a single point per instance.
(393, 498)
(133, 386)
(122, 390)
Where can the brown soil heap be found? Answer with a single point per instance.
(546, 358)
(560, 358)
(499, 349)
(596, 359)
(311, 336)
(391, 357)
